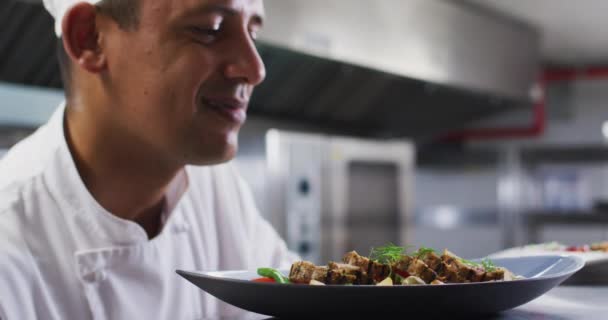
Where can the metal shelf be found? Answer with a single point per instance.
(535, 220)
(565, 154)
(11, 135)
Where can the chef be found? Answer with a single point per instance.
(130, 179)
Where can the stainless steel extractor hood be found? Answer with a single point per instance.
(384, 68)
(392, 67)
(444, 42)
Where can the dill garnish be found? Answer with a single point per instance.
(486, 264)
(387, 254)
(423, 251)
(469, 262)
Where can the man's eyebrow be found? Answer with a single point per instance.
(224, 10)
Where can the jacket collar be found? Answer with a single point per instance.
(76, 202)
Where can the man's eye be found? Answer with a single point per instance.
(205, 35)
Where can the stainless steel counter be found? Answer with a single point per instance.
(535, 221)
(564, 303)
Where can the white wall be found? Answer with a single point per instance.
(466, 241)
(588, 104)
(447, 187)
(27, 106)
(462, 191)
(577, 111)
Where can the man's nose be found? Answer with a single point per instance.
(245, 63)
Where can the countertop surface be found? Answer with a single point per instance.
(564, 303)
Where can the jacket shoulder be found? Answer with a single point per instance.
(17, 267)
(13, 246)
(27, 159)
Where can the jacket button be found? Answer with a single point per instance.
(95, 276)
(101, 276)
(180, 227)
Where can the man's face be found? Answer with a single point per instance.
(181, 81)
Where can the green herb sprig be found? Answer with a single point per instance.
(469, 262)
(387, 254)
(423, 251)
(486, 264)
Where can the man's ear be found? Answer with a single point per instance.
(80, 37)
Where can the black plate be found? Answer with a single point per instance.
(542, 273)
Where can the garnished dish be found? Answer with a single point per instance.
(557, 246)
(336, 289)
(594, 253)
(391, 265)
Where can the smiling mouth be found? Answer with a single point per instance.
(229, 109)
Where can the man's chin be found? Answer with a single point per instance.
(207, 158)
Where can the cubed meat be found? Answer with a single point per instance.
(334, 273)
(371, 271)
(456, 270)
(415, 267)
(304, 271)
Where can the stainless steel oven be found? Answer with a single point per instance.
(327, 195)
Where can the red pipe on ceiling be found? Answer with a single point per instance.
(539, 121)
(593, 73)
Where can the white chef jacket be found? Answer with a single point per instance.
(63, 256)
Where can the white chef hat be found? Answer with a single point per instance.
(58, 9)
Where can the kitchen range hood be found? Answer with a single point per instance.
(393, 67)
(390, 68)
(27, 45)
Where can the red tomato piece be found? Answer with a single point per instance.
(267, 280)
(583, 248)
(403, 274)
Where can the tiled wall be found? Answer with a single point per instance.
(577, 113)
(22, 106)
